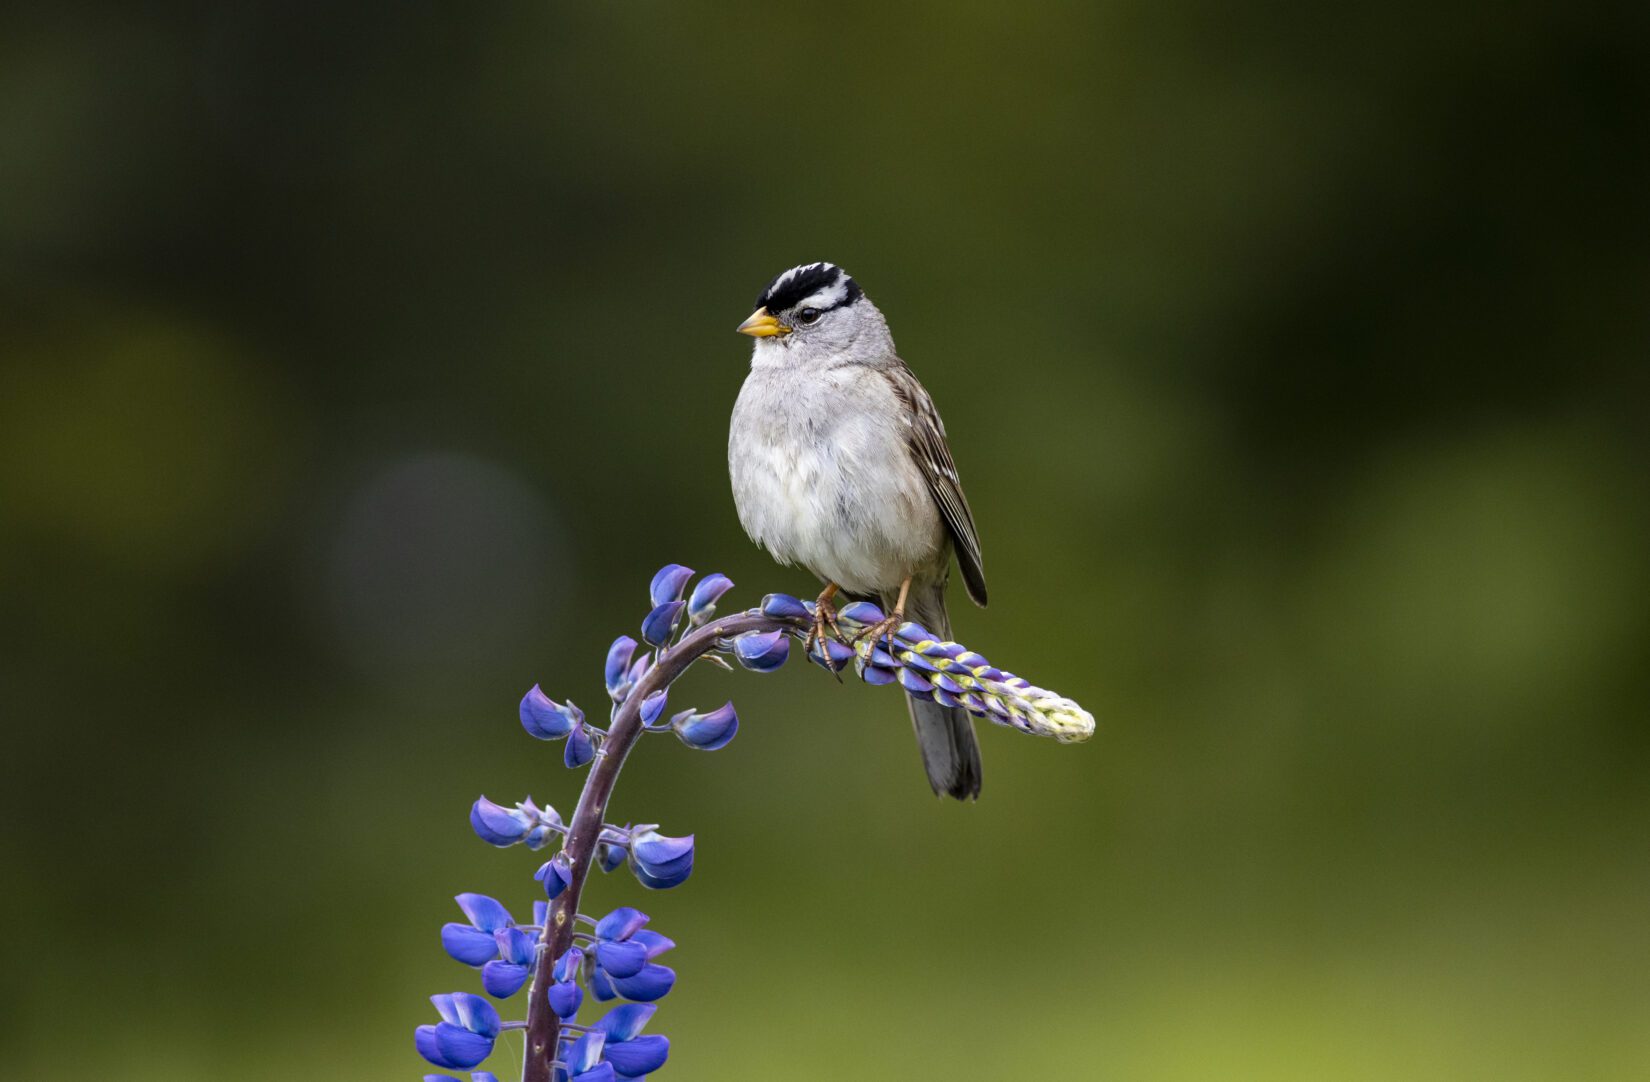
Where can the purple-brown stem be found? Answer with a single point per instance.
(543, 1027)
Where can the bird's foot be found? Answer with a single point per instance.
(882, 630)
(824, 622)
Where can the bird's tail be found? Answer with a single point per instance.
(950, 751)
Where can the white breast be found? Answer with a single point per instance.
(822, 478)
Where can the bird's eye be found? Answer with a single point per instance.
(808, 315)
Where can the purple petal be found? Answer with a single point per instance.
(567, 966)
(655, 943)
(483, 1076)
(565, 999)
(702, 602)
(498, 825)
(762, 651)
(424, 1040)
(652, 983)
(621, 924)
(515, 945)
(460, 1048)
(625, 1022)
(618, 663)
(543, 717)
(919, 662)
(913, 633)
(468, 944)
(668, 583)
(580, 748)
(652, 879)
(611, 856)
(652, 707)
(556, 873)
(445, 1007)
(914, 682)
(784, 607)
(601, 986)
(503, 979)
(585, 1052)
(877, 676)
(661, 623)
(541, 912)
(476, 1014)
(860, 612)
(631, 1059)
(450, 1046)
(707, 732)
(621, 959)
(601, 1072)
(485, 913)
(656, 850)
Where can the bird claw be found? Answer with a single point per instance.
(882, 630)
(824, 619)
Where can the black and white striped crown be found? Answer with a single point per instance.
(819, 285)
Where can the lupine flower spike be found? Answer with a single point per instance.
(565, 958)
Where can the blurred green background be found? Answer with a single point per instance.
(361, 364)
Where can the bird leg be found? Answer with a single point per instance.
(885, 628)
(824, 616)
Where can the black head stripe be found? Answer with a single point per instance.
(800, 283)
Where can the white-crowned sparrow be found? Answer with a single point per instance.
(839, 464)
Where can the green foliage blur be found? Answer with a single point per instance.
(362, 362)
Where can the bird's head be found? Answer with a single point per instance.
(816, 314)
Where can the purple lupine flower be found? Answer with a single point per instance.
(504, 976)
(621, 924)
(498, 825)
(784, 607)
(464, 1036)
(707, 732)
(617, 669)
(651, 983)
(475, 1076)
(702, 602)
(584, 1058)
(474, 943)
(617, 959)
(556, 874)
(623, 955)
(653, 706)
(660, 862)
(611, 855)
(525, 823)
(667, 584)
(631, 1054)
(581, 748)
(565, 993)
(762, 651)
(545, 718)
(660, 625)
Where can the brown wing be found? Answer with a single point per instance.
(926, 435)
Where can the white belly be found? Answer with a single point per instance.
(820, 485)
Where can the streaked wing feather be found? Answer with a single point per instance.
(926, 436)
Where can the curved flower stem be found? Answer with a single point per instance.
(543, 1027)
